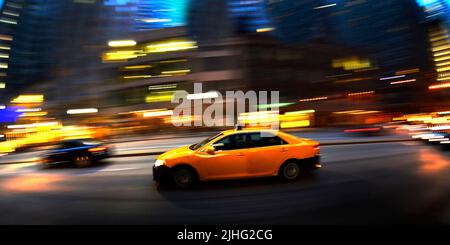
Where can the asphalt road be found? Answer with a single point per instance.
(383, 183)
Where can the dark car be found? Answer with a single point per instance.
(80, 153)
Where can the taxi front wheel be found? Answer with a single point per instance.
(183, 178)
(289, 171)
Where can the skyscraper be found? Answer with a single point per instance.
(299, 21)
(389, 32)
(436, 18)
(251, 15)
(10, 11)
(157, 14)
(212, 20)
(57, 41)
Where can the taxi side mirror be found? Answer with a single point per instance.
(210, 150)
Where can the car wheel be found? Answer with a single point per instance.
(83, 161)
(290, 171)
(183, 178)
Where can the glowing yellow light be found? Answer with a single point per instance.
(122, 43)
(439, 120)
(439, 86)
(313, 99)
(24, 99)
(440, 48)
(35, 114)
(2, 85)
(351, 63)
(34, 125)
(265, 29)
(122, 55)
(158, 113)
(260, 117)
(443, 63)
(364, 112)
(447, 68)
(348, 112)
(175, 72)
(439, 43)
(441, 53)
(159, 97)
(434, 39)
(443, 79)
(170, 46)
(447, 57)
(296, 124)
(3, 65)
(361, 93)
(137, 67)
(137, 77)
(82, 111)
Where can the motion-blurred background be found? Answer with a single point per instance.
(79, 68)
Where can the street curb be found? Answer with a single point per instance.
(125, 140)
(322, 144)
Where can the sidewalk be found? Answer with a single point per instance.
(189, 134)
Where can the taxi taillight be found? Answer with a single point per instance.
(97, 149)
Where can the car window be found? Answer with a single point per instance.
(266, 139)
(91, 142)
(70, 144)
(232, 142)
(204, 142)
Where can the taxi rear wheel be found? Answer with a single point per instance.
(290, 171)
(183, 177)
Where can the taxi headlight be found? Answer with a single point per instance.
(159, 163)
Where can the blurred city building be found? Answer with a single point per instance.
(436, 18)
(10, 12)
(118, 62)
(211, 20)
(387, 42)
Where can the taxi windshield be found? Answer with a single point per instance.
(204, 142)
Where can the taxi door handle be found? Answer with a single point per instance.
(240, 154)
(284, 150)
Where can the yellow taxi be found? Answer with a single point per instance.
(236, 154)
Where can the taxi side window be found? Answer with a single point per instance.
(69, 144)
(262, 140)
(232, 142)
